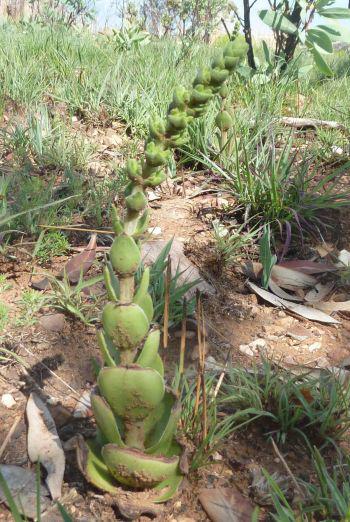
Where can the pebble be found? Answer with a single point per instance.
(289, 359)
(257, 344)
(8, 400)
(212, 364)
(298, 333)
(314, 346)
(53, 322)
(244, 348)
(155, 231)
(152, 196)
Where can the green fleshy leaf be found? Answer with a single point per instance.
(335, 12)
(160, 437)
(172, 484)
(93, 467)
(277, 21)
(105, 420)
(109, 353)
(150, 349)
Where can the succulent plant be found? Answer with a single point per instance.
(136, 415)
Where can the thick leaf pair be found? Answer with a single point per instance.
(136, 419)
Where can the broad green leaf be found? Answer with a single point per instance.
(335, 12)
(321, 39)
(267, 259)
(330, 30)
(320, 62)
(266, 52)
(323, 3)
(277, 21)
(344, 32)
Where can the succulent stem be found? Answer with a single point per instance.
(135, 414)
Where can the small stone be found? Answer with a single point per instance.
(281, 314)
(286, 322)
(323, 362)
(155, 231)
(314, 346)
(289, 359)
(152, 196)
(244, 348)
(299, 333)
(212, 364)
(53, 322)
(8, 400)
(257, 344)
(217, 457)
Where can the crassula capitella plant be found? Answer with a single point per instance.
(135, 413)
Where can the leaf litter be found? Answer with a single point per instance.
(44, 444)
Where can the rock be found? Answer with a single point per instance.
(53, 322)
(257, 344)
(314, 346)
(286, 322)
(8, 400)
(155, 231)
(298, 333)
(289, 360)
(323, 362)
(188, 271)
(244, 348)
(213, 365)
(152, 196)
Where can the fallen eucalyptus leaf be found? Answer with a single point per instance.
(333, 306)
(308, 267)
(226, 505)
(23, 487)
(319, 292)
(291, 279)
(307, 312)
(44, 444)
(81, 263)
(281, 293)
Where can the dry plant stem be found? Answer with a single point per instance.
(287, 468)
(9, 435)
(166, 303)
(204, 391)
(199, 343)
(183, 185)
(183, 339)
(78, 229)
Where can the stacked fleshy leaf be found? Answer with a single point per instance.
(136, 415)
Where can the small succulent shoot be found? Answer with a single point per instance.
(230, 58)
(136, 415)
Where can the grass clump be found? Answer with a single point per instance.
(311, 408)
(51, 244)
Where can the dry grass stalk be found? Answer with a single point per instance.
(166, 303)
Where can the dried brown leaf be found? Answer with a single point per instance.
(23, 488)
(81, 263)
(305, 311)
(290, 279)
(226, 505)
(44, 444)
(308, 267)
